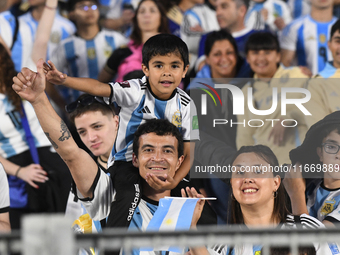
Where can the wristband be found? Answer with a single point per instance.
(16, 173)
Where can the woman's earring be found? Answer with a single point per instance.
(275, 194)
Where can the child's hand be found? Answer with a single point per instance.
(53, 75)
(199, 206)
(279, 23)
(161, 183)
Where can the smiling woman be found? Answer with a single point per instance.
(258, 200)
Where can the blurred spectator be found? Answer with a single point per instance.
(324, 88)
(197, 20)
(263, 56)
(85, 53)
(118, 14)
(34, 186)
(150, 20)
(304, 41)
(25, 30)
(268, 14)
(230, 16)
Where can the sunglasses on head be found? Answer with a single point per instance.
(85, 101)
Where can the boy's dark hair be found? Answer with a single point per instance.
(72, 3)
(280, 210)
(95, 106)
(262, 41)
(161, 128)
(162, 45)
(326, 131)
(335, 27)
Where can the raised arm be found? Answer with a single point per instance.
(44, 31)
(30, 86)
(87, 85)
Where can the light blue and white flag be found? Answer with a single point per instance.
(173, 213)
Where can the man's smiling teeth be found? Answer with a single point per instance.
(249, 190)
(157, 168)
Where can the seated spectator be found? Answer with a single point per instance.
(304, 40)
(320, 149)
(230, 16)
(85, 54)
(263, 56)
(197, 20)
(118, 14)
(257, 200)
(5, 225)
(324, 88)
(150, 20)
(39, 184)
(271, 15)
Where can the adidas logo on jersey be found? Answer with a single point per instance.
(145, 110)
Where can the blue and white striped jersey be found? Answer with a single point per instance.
(324, 203)
(299, 8)
(85, 58)
(275, 8)
(21, 52)
(12, 133)
(306, 221)
(308, 38)
(138, 104)
(7, 27)
(99, 208)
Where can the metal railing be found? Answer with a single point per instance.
(48, 234)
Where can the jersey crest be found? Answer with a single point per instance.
(177, 119)
(55, 37)
(91, 53)
(257, 253)
(327, 207)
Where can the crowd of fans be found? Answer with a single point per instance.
(154, 55)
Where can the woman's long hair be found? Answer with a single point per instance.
(280, 210)
(136, 34)
(7, 72)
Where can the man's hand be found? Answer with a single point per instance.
(199, 206)
(278, 134)
(53, 75)
(305, 70)
(30, 85)
(157, 182)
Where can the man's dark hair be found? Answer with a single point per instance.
(162, 45)
(335, 27)
(161, 128)
(72, 3)
(262, 41)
